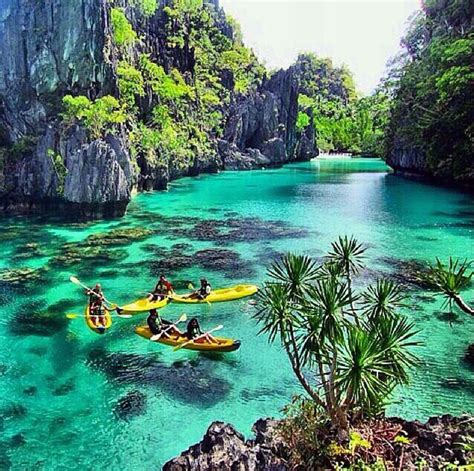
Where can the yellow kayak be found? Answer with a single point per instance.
(93, 326)
(143, 305)
(201, 345)
(219, 295)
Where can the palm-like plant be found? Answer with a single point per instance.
(450, 280)
(348, 255)
(382, 299)
(296, 272)
(310, 308)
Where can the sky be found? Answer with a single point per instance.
(362, 34)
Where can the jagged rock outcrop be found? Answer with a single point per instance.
(52, 48)
(260, 129)
(224, 448)
(436, 443)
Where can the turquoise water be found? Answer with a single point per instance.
(60, 387)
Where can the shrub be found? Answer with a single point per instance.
(131, 83)
(122, 29)
(99, 117)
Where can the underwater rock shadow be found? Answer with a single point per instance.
(215, 259)
(33, 318)
(186, 381)
(133, 404)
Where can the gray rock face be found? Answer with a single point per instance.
(98, 172)
(260, 129)
(99, 177)
(407, 160)
(223, 448)
(437, 442)
(46, 47)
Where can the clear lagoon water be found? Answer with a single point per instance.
(60, 384)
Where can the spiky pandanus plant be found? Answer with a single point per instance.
(348, 351)
(450, 279)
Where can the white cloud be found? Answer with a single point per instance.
(361, 34)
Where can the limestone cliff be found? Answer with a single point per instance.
(53, 48)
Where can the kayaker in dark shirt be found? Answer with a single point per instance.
(97, 305)
(158, 325)
(162, 289)
(203, 292)
(194, 330)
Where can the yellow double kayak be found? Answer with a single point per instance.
(92, 321)
(219, 295)
(201, 345)
(143, 305)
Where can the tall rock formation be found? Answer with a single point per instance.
(52, 48)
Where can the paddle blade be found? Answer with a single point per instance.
(156, 337)
(190, 286)
(74, 280)
(71, 315)
(124, 316)
(183, 318)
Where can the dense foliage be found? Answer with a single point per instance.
(348, 349)
(172, 105)
(343, 120)
(433, 88)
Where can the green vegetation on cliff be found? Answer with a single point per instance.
(343, 120)
(172, 105)
(433, 90)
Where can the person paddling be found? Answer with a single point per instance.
(203, 292)
(97, 305)
(162, 289)
(194, 330)
(156, 324)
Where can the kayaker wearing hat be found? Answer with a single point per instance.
(203, 292)
(97, 305)
(162, 289)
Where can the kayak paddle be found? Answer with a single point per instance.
(71, 315)
(75, 280)
(180, 346)
(191, 286)
(156, 337)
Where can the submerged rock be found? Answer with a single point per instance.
(131, 405)
(469, 356)
(189, 382)
(117, 236)
(21, 276)
(32, 320)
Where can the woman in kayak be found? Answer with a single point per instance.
(162, 289)
(97, 305)
(158, 325)
(194, 330)
(203, 292)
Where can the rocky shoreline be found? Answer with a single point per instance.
(431, 445)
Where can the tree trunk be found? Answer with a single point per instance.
(462, 304)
